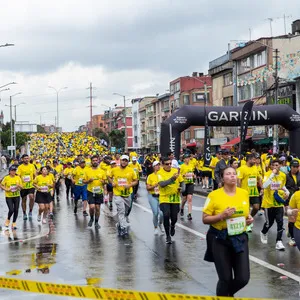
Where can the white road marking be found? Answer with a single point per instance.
(252, 258)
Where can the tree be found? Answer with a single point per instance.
(100, 134)
(40, 129)
(117, 138)
(21, 137)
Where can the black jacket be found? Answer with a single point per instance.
(291, 185)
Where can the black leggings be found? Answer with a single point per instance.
(13, 207)
(69, 186)
(272, 214)
(170, 211)
(232, 268)
(136, 188)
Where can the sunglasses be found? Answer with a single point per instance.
(169, 164)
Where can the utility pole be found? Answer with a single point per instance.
(15, 135)
(91, 108)
(276, 78)
(11, 125)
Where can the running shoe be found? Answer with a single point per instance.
(181, 212)
(85, 214)
(39, 217)
(90, 224)
(14, 226)
(30, 215)
(172, 230)
(292, 242)
(155, 231)
(168, 240)
(279, 246)
(97, 226)
(75, 210)
(7, 222)
(189, 216)
(24, 217)
(161, 227)
(263, 238)
(44, 221)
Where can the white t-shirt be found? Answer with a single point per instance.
(175, 164)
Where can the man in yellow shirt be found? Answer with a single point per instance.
(95, 178)
(213, 164)
(275, 194)
(68, 171)
(123, 179)
(170, 185)
(249, 180)
(27, 173)
(138, 171)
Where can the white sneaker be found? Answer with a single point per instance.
(264, 238)
(292, 242)
(155, 231)
(279, 246)
(44, 221)
(162, 230)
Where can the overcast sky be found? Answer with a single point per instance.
(132, 47)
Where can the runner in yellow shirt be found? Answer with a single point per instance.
(68, 171)
(27, 173)
(294, 211)
(138, 171)
(170, 185)
(59, 174)
(12, 186)
(95, 178)
(123, 179)
(275, 194)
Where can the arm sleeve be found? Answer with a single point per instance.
(268, 181)
(165, 183)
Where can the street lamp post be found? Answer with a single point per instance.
(125, 121)
(57, 92)
(15, 133)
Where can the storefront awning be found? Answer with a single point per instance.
(264, 141)
(191, 145)
(233, 142)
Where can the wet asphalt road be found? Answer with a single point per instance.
(140, 262)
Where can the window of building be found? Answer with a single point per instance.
(187, 134)
(198, 97)
(227, 79)
(172, 88)
(177, 86)
(199, 133)
(186, 99)
(135, 139)
(227, 101)
(245, 92)
(258, 89)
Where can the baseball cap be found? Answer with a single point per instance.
(155, 163)
(282, 158)
(13, 168)
(112, 162)
(82, 161)
(125, 157)
(186, 155)
(294, 163)
(134, 158)
(225, 151)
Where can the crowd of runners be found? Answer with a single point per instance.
(243, 188)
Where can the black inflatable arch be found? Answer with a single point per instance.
(189, 115)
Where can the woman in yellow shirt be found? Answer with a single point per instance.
(43, 184)
(294, 210)
(153, 198)
(226, 210)
(12, 185)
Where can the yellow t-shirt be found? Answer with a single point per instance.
(136, 168)
(104, 166)
(213, 163)
(78, 175)
(169, 193)
(152, 179)
(68, 172)
(243, 162)
(217, 201)
(58, 169)
(187, 172)
(26, 173)
(133, 154)
(44, 182)
(295, 203)
(122, 177)
(97, 185)
(38, 166)
(278, 182)
(11, 183)
(193, 162)
(249, 177)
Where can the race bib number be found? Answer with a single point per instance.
(189, 176)
(252, 182)
(156, 190)
(26, 178)
(80, 181)
(13, 188)
(275, 185)
(122, 181)
(174, 198)
(97, 190)
(44, 189)
(236, 226)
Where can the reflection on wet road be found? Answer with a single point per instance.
(67, 251)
